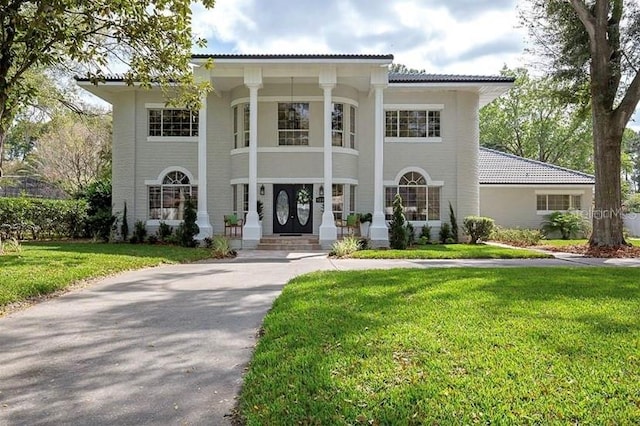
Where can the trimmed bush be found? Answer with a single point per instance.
(425, 234)
(139, 233)
(445, 233)
(568, 224)
(37, 218)
(516, 237)
(477, 228)
(398, 236)
(454, 224)
(188, 229)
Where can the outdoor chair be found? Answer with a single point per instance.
(351, 224)
(233, 224)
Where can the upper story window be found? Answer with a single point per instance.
(293, 123)
(235, 127)
(245, 122)
(557, 202)
(421, 202)
(173, 122)
(241, 135)
(352, 127)
(337, 125)
(167, 200)
(412, 124)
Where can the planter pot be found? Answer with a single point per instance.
(364, 229)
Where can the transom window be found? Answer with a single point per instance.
(558, 202)
(421, 202)
(293, 123)
(167, 200)
(337, 124)
(173, 122)
(412, 124)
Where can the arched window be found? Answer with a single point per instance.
(421, 202)
(167, 200)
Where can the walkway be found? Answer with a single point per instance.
(165, 345)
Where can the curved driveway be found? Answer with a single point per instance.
(164, 345)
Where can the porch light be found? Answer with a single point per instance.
(261, 189)
(321, 191)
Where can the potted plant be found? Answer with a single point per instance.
(365, 222)
(259, 209)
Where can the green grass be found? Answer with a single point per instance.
(450, 346)
(42, 268)
(451, 251)
(562, 243)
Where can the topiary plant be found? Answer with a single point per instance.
(397, 228)
(189, 228)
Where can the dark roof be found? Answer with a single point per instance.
(108, 77)
(288, 56)
(446, 78)
(497, 167)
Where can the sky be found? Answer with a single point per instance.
(476, 37)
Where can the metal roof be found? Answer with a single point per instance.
(446, 78)
(497, 167)
(289, 56)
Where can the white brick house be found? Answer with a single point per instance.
(314, 137)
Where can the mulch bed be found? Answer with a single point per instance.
(605, 252)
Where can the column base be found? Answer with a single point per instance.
(328, 231)
(252, 231)
(378, 231)
(206, 230)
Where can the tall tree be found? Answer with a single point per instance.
(152, 37)
(597, 41)
(532, 120)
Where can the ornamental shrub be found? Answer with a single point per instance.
(568, 224)
(454, 224)
(398, 236)
(516, 236)
(345, 247)
(188, 229)
(478, 228)
(445, 233)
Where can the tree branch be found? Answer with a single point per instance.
(585, 17)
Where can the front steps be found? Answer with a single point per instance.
(290, 243)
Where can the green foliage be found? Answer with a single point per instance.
(139, 234)
(41, 218)
(454, 224)
(365, 217)
(164, 232)
(445, 232)
(425, 234)
(221, 247)
(10, 246)
(411, 234)
(516, 237)
(345, 247)
(188, 229)
(478, 228)
(100, 220)
(398, 236)
(632, 205)
(568, 224)
(452, 251)
(534, 121)
(260, 209)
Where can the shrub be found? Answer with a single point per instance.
(139, 232)
(411, 234)
(124, 228)
(423, 241)
(164, 232)
(566, 223)
(425, 234)
(454, 224)
(221, 247)
(398, 231)
(345, 247)
(632, 205)
(188, 228)
(100, 218)
(516, 237)
(445, 232)
(363, 243)
(153, 239)
(478, 228)
(365, 217)
(208, 242)
(10, 245)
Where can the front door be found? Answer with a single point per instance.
(292, 209)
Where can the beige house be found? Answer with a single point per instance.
(313, 137)
(518, 192)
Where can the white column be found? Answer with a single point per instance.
(328, 230)
(378, 231)
(252, 228)
(206, 230)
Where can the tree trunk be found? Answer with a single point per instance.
(607, 209)
(3, 137)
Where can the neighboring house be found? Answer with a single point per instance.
(314, 137)
(519, 192)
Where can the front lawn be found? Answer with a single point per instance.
(42, 268)
(451, 251)
(563, 243)
(450, 346)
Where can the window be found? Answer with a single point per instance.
(352, 128)
(337, 193)
(245, 199)
(167, 201)
(412, 124)
(558, 202)
(234, 199)
(352, 199)
(337, 124)
(173, 122)
(293, 124)
(235, 127)
(246, 121)
(421, 202)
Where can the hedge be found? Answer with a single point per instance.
(37, 218)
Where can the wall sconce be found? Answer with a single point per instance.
(261, 189)
(321, 191)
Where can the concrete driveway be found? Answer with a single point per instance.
(165, 345)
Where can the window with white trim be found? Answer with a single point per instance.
(293, 123)
(167, 200)
(352, 127)
(246, 119)
(558, 202)
(412, 124)
(164, 122)
(420, 201)
(245, 200)
(337, 124)
(352, 199)
(337, 200)
(235, 127)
